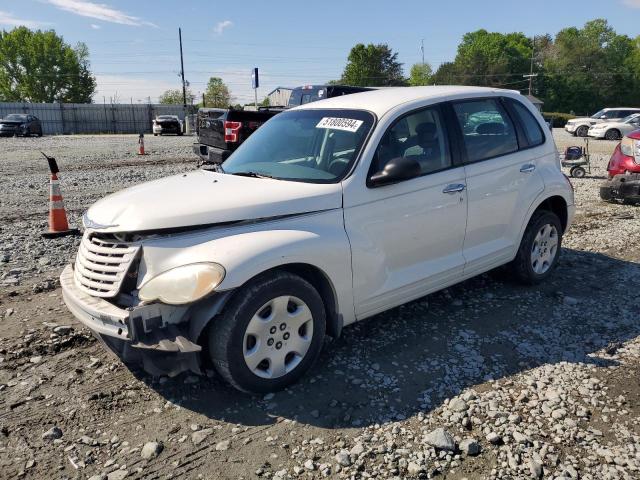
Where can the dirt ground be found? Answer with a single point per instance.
(487, 379)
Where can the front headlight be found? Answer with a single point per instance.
(184, 284)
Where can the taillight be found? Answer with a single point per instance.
(231, 131)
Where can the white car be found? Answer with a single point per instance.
(330, 213)
(163, 124)
(616, 130)
(580, 126)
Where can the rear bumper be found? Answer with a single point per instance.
(210, 154)
(621, 187)
(155, 335)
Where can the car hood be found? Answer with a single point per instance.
(11, 122)
(206, 198)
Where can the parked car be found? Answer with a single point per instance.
(167, 124)
(313, 93)
(580, 126)
(20, 124)
(221, 131)
(328, 214)
(615, 130)
(623, 182)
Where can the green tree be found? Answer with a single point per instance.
(217, 93)
(175, 97)
(37, 66)
(420, 74)
(493, 59)
(588, 68)
(373, 66)
(265, 102)
(447, 74)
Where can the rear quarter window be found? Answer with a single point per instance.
(532, 129)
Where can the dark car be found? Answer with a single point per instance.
(313, 93)
(221, 131)
(20, 124)
(167, 124)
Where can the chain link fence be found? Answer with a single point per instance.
(72, 118)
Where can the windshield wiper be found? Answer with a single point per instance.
(252, 174)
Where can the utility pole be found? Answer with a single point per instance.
(422, 50)
(204, 104)
(531, 74)
(184, 88)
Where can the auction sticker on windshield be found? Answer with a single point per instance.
(346, 124)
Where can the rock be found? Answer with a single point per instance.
(52, 434)
(199, 436)
(357, 450)
(118, 475)
(535, 466)
(223, 445)
(309, 465)
(63, 330)
(494, 438)
(470, 446)
(44, 261)
(413, 468)
(458, 405)
(441, 439)
(36, 359)
(151, 450)
(342, 458)
(521, 438)
(8, 312)
(100, 476)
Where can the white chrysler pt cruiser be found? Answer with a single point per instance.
(330, 213)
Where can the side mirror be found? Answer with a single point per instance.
(396, 170)
(603, 117)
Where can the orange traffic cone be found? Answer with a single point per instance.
(58, 225)
(141, 144)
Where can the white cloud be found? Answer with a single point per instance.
(632, 3)
(220, 26)
(98, 11)
(8, 19)
(95, 27)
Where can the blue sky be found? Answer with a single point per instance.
(134, 44)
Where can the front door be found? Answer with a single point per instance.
(407, 238)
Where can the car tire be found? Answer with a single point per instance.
(539, 249)
(155, 134)
(270, 333)
(612, 134)
(582, 131)
(577, 172)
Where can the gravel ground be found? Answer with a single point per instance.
(483, 380)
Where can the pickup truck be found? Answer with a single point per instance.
(221, 131)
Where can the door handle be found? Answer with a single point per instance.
(528, 168)
(454, 188)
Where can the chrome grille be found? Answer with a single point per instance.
(101, 265)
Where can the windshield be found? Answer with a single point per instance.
(16, 117)
(316, 146)
(598, 114)
(629, 118)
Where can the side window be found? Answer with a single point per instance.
(486, 129)
(532, 129)
(613, 114)
(421, 136)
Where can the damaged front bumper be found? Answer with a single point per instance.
(162, 338)
(625, 187)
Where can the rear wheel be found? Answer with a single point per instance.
(539, 249)
(612, 134)
(582, 131)
(270, 333)
(577, 172)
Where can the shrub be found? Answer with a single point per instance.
(558, 119)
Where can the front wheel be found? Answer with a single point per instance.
(612, 134)
(582, 131)
(270, 333)
(577, 172)
(539, 249)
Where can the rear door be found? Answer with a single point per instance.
(501, 179)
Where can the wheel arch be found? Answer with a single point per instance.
(555, 204)
(204, 315)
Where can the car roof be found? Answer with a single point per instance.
(383, 100)
(622, 108)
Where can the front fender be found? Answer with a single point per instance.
(316, 239)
